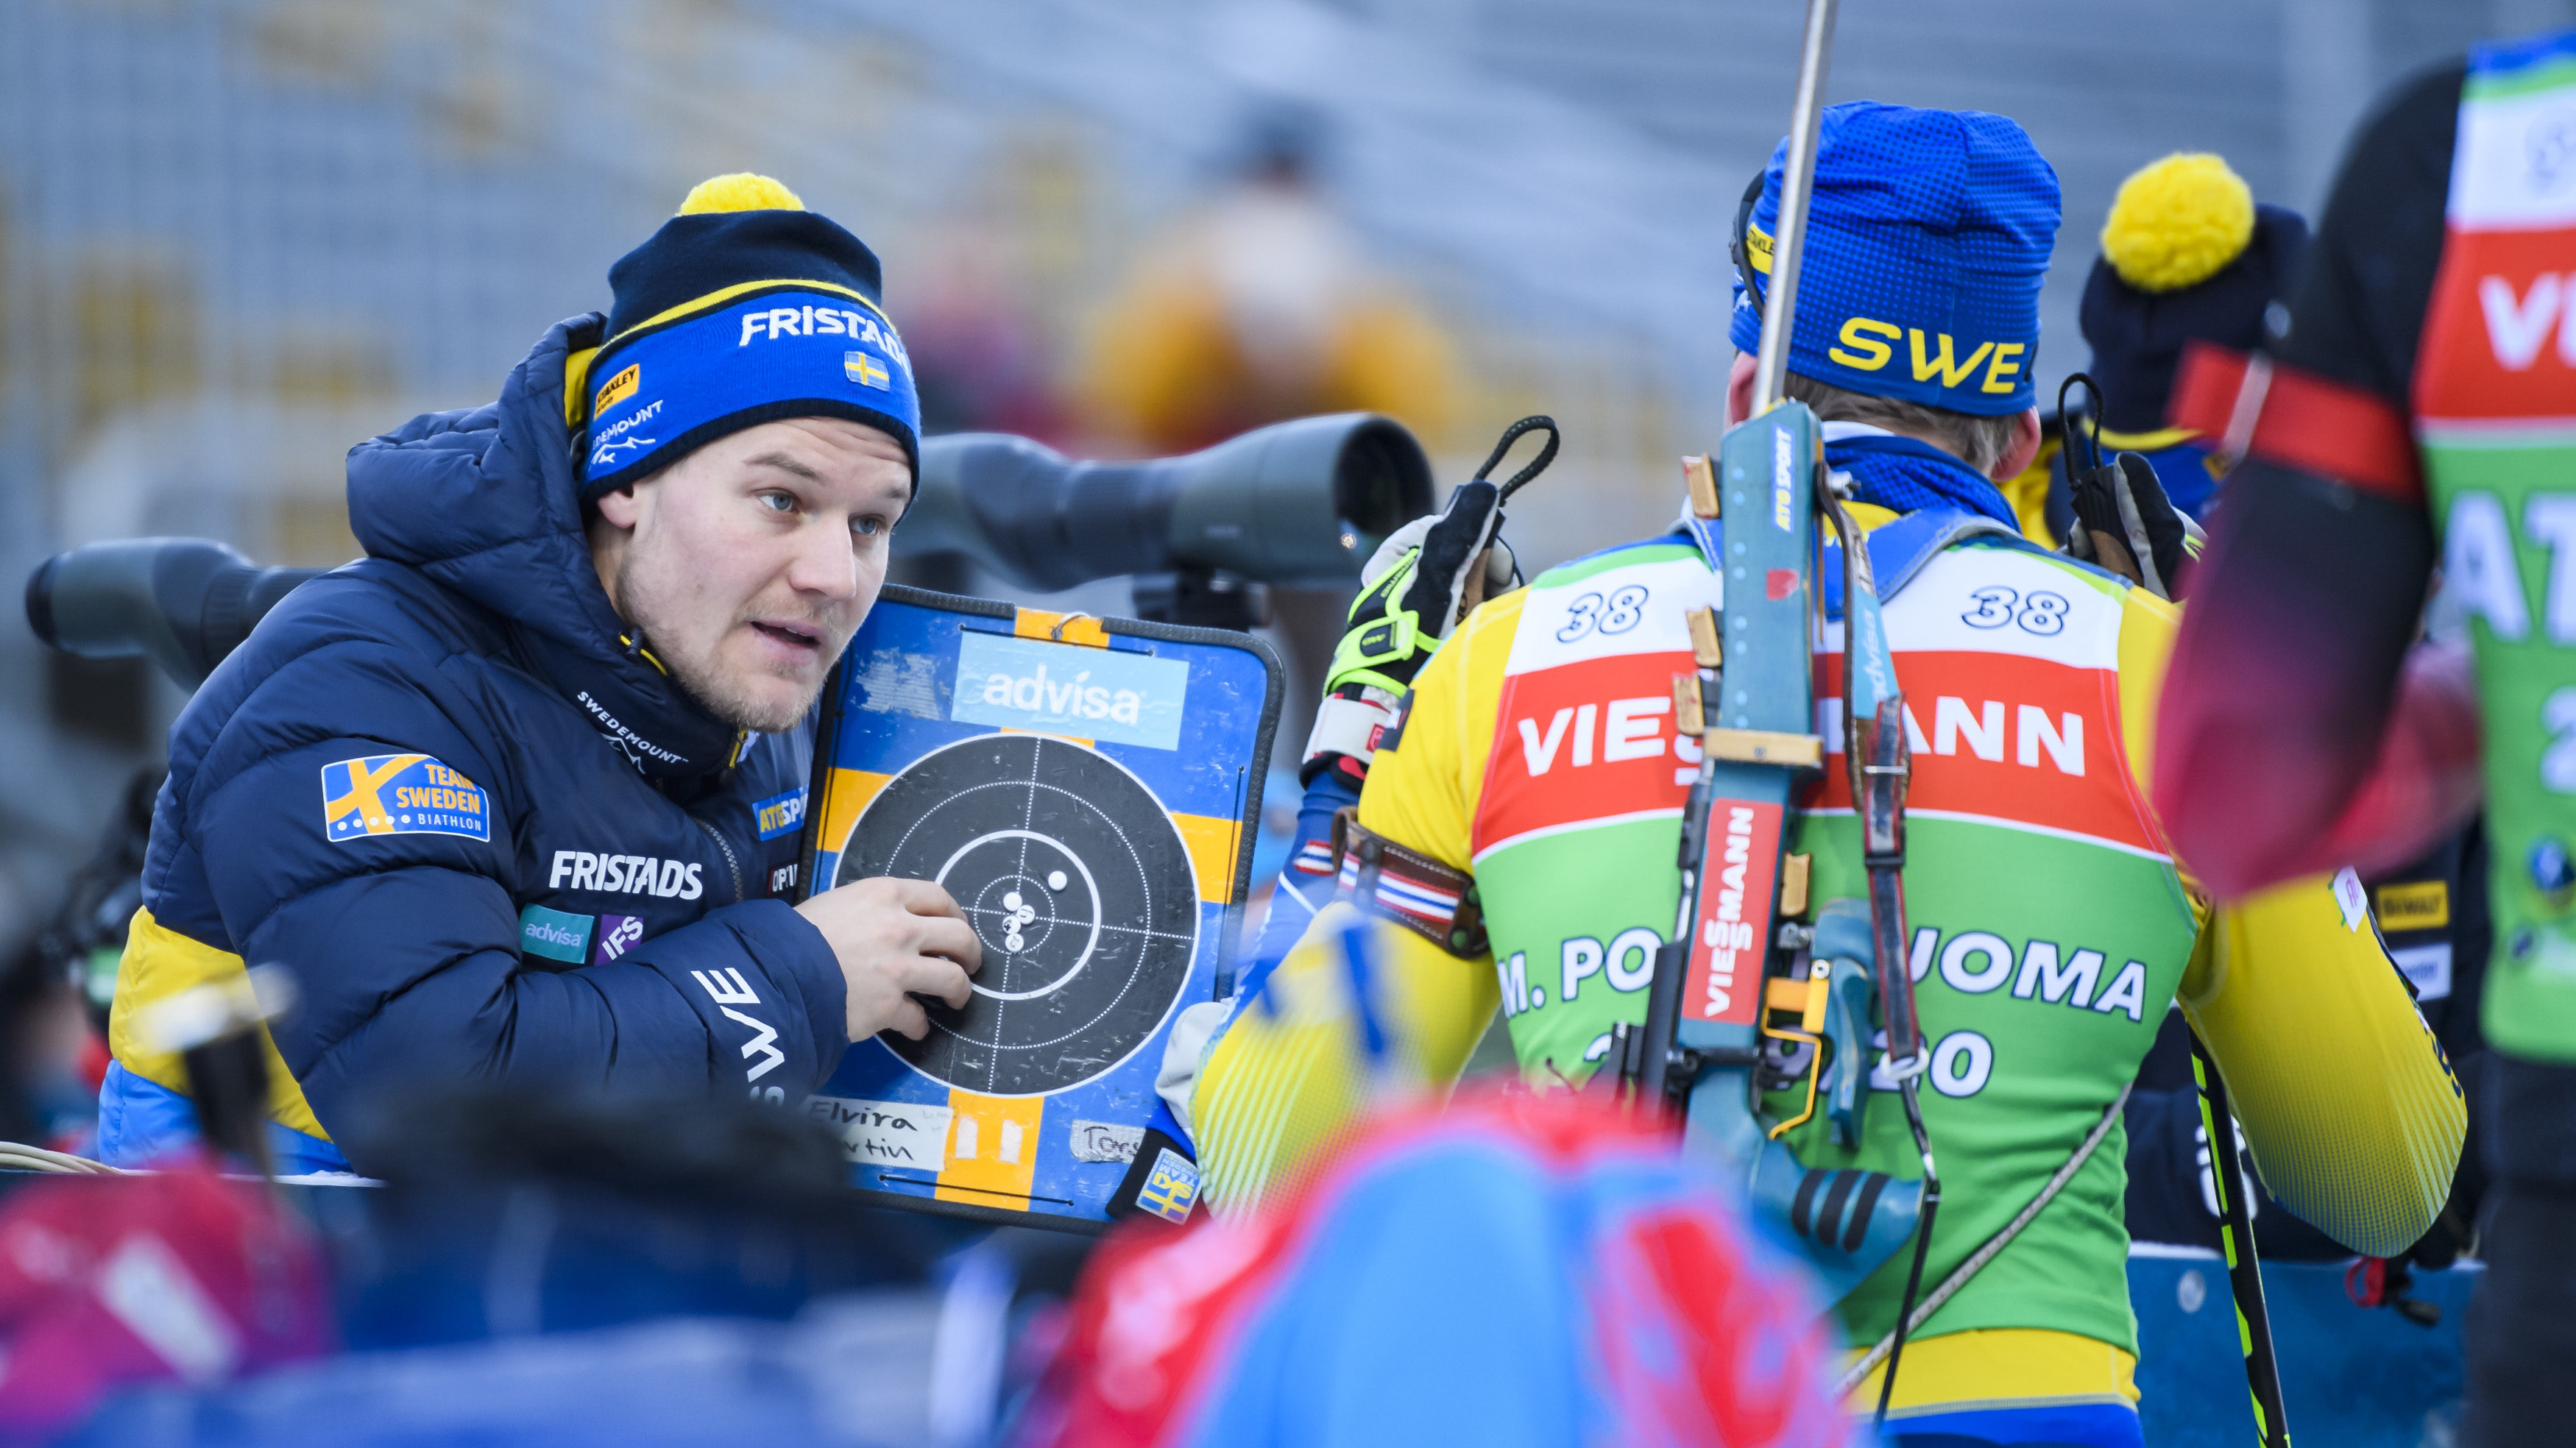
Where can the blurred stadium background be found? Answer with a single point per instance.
(238, 235)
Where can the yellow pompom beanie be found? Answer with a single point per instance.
(2187, 255)
(739, 191)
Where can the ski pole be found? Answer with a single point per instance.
(2236, 1234)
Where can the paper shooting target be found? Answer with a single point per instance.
(1076, 881)
(1088, 790)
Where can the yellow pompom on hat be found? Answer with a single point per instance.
(2177, 222)
(2188, 256)
(740, 191)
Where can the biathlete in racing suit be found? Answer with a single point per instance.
(1534, 772)
(2420, 410)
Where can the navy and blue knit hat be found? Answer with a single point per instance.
(742, 309)
(1926, 244)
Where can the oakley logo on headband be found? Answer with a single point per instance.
(617, 389)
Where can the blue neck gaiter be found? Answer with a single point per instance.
(1906, 476)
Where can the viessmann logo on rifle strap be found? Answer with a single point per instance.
(1729, 942)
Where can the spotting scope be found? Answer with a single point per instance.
(184, 602)
(1296, 502)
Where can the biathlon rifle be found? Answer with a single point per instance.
(1740, 970)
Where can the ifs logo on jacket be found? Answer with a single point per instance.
(401, 794)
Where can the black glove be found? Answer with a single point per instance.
(2125, 523)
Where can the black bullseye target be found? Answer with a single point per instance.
(1078, 885)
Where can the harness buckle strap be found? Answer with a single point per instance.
(1763, 746)
(1426, 896)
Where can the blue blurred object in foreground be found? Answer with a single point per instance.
(849, 1371)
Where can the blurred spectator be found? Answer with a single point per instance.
(184, 1277)
(56, 998)
(108, 1280)
(977, 358)
(551, 1268)
(1258, 307)
(46, 1045)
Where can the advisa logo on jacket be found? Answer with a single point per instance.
(401, 794)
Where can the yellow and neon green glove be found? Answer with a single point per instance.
(1421, 581)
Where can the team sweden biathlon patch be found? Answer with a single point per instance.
(401, 794)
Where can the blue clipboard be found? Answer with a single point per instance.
(1089, 790)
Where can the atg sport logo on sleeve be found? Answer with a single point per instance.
(1050, 688)
(780, 813)
(401, 794)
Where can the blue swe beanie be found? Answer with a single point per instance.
(1926, 244)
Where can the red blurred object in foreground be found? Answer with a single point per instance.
(1515, 1270)
(181, 1277)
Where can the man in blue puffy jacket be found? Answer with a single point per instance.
(516, 796)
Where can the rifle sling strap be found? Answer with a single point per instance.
(1433, 900)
